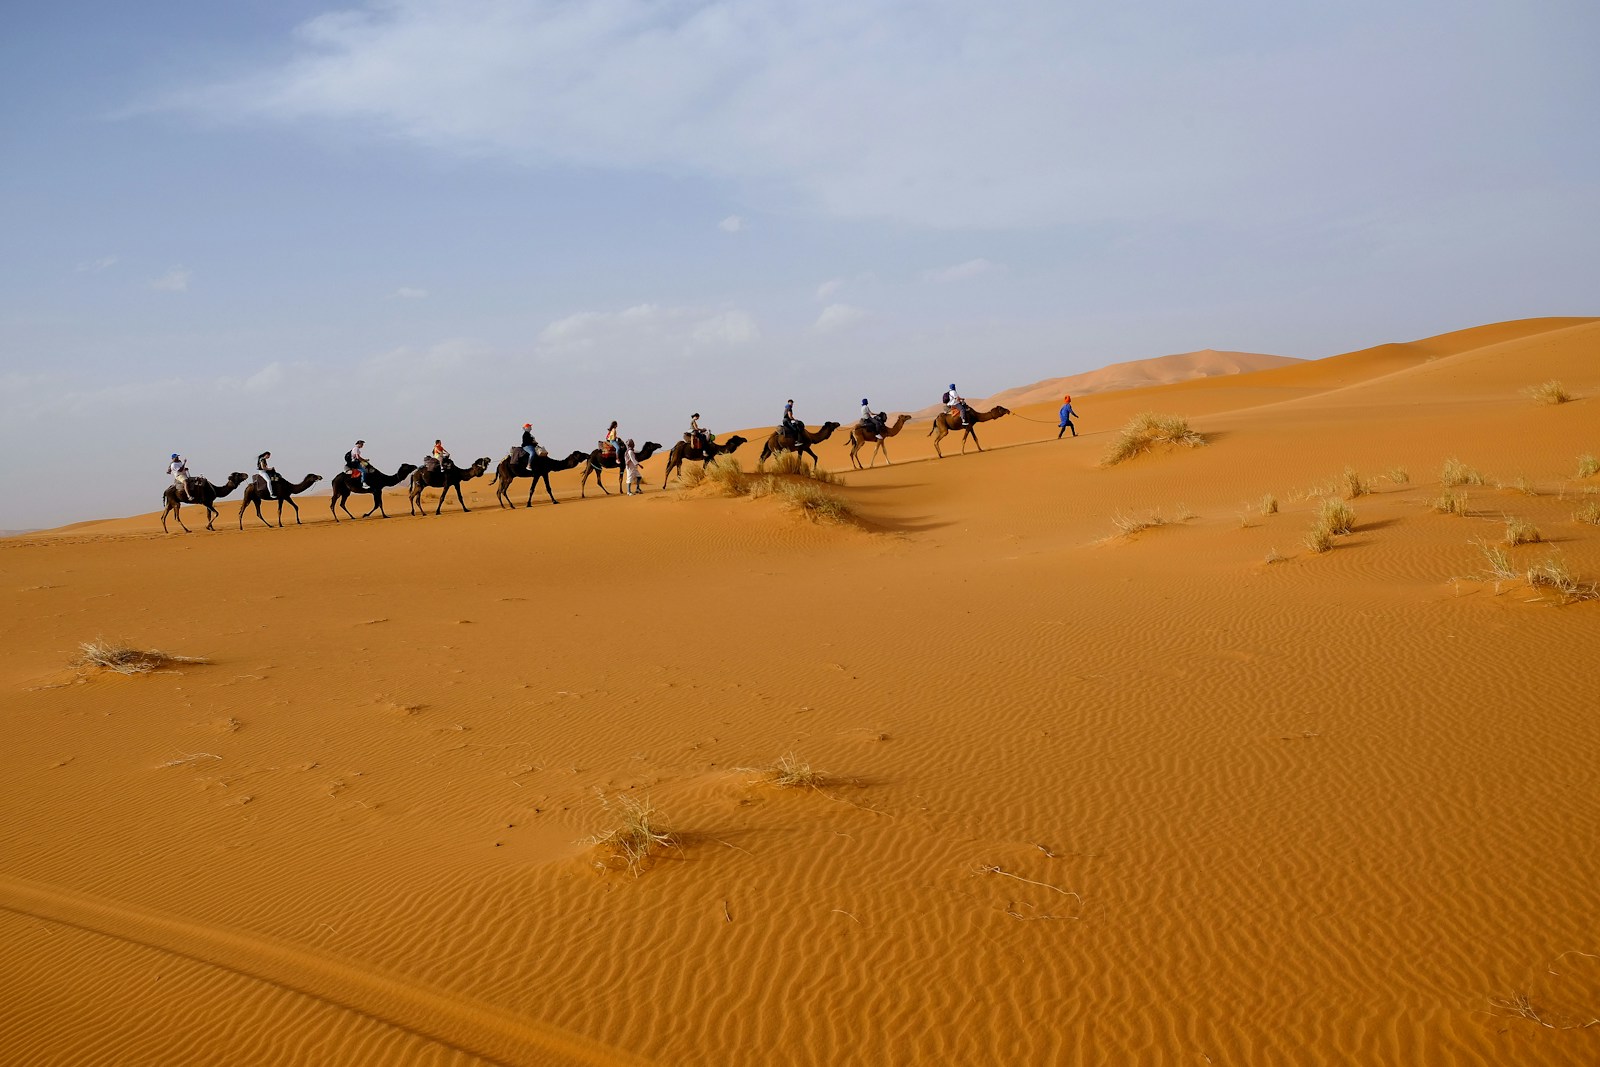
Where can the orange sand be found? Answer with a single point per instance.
(1093, 798)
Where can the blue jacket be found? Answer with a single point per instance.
(1066, 413)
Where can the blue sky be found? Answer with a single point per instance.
(231, 227)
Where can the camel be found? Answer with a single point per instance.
(516, 466)
(777, 442)
(597, 463)
(946, 423)
(282, 491)
(346, 484)
(201, 492)
(446, 479)
(681, 452)
(860, 435)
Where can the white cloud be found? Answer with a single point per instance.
(731, 224)
(961, 271)
(406, 292)
(829, 287)
(942, 114)
(836, 317)
(175, 280)
(729, 328)
(649, 328)
(95, 266)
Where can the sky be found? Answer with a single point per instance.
(284, 225)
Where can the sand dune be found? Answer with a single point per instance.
(1191, 794)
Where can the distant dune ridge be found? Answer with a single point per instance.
(1134, 374)
(1243, 753)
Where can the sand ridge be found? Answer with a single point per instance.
(1091, 796)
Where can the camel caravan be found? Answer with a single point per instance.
(528, 459)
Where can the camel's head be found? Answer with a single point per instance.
(315, 478)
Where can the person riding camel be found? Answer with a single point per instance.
(178, 471)
(440, 455)
(697, 438)
(873, 421)
(268, 472)
(611, 441)
(356, 464)
(958, 406)
(790, 427)
(530, 445)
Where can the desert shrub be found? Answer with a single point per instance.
(1588, 466)
(1551, 392)
(1399, 475)
(1354, 484)
(693, 476)
(790, 772)
(1589, 513)
(1451, 503)
(1132, 524)
(1337, 516)
(1500, 568)
(726, 474)
(1319, 538)
(117, 657)
(1269, 505)
(638, 833)
(1552, 575)
(1147, 430)
(810, 500)
(1522, 485)
(1519, 532)
(1457, 473)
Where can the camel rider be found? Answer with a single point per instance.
(698, 438)
(178, 471)
(873, 420)
(440, 455)
(357, 464)
(957, 405)
(610, 442)
(529, 444)
(789, 427)
(264, 465)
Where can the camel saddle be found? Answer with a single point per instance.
(259, 480)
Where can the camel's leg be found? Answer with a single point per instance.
(459, 500)
(377, 505)
(547, 490)
(173, 510)
(292, 504)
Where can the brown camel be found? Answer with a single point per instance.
(282, 492)
(201, 492)
(597, 463)
(860, 435)
(681, 451)
(446, 479)
(777, 442)
(346, 484)
(515, 466)
(946, 423)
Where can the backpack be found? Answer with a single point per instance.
(349, 460)
(947, 396)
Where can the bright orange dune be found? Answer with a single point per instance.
(1190, 794)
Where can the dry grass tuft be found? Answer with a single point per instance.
(1551, 392)
(1500, 568)
(811, 500)
(1269, 505)
(1552, 575)
(1147, 430)
(1519, 532)
(1588, 465)
(638, 834)
(1451, 503)
(1130, 525)
(1354, 484)
(790, 772)
(1589, 513)
(726, 473)
(1399, 475)
(793, 465)
(104, 655)
(797, 486)
(1319, 538)
(1457, 473)
(693, 476)
(1337, 516)
(1274, 556)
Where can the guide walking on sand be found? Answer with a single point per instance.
(1066, 418)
